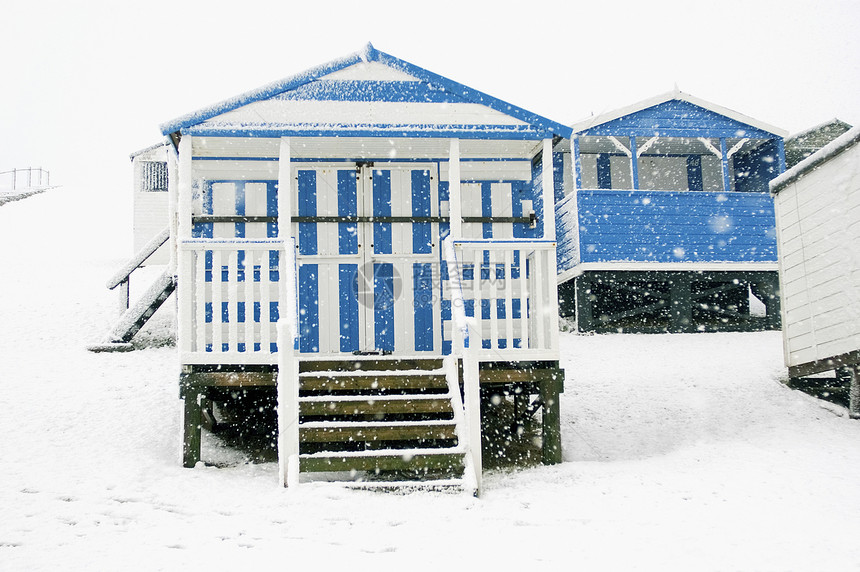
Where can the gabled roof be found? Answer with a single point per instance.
(676, 114)
(393, 81)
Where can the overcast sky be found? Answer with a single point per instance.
(86, 83)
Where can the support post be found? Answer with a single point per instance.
(548, 191)
(173, 205)
(584, 305)
(288, 408)
(192, 419)
(123, 295)
(853, 391)
(185, 266)
(681, 309)
(634, 163)
(472, 403)
(284, 187)
(454, 200)
(288, 363)
(724, 158)
(551, 421)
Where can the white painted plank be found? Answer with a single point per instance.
(217, 297)
(232, 300)
(251, 259)
(421, 114)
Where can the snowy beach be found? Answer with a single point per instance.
(681, 452)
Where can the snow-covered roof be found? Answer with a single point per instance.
(834, 123)
(323, 101)
(826, 153)
(675, 95)
(139, 152)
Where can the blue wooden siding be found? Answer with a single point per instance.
(661, 226)
(754, 170)
(677, 118)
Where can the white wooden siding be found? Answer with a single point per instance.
(277, 111)
(819, 242)
(150, 218)
(491, 171)
(375, 148)
(369, 71)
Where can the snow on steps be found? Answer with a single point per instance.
(133, 319)
(393, 429)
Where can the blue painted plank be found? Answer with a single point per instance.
(422, 284)
(350, 335)
(522, 191)
(347, 205)
(381, 207)
(383, 306)
(309, 324)
(422, 241)
(684, 226)
(307, 207)
(272, 207)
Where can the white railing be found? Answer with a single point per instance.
(506, 290)
(231, 293)
(36, 178)
(500, 273)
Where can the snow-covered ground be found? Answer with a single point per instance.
(682, 452)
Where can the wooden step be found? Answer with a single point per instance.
(373, 382)
(390, 460)
(326, 405)
(329, 432)
(361, 363)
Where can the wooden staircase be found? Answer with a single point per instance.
(386, 423)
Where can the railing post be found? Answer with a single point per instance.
(288, 408)
(123, 295)
(472, 405)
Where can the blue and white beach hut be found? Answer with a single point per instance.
(667, 224)
(394, 222)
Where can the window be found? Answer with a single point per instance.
(153, 176)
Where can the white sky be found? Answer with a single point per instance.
(86, 83)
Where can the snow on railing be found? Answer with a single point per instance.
(231, 301)
(122, 278)
(36, 178)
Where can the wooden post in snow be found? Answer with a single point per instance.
(854, 391)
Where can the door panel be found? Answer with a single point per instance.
(368, 286)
